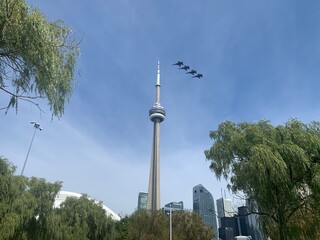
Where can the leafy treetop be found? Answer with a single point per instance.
(276, 166)
(37, 57)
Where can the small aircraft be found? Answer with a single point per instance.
(185, 67)
(179, 63)
(199, 75)
(192, 72)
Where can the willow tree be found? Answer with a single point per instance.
(27, 211)
(80, 218)
(189, 226)
(146, 225)
(278, 167)
(25, 204)
(37, 57)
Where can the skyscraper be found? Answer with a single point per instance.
(203, 203)
(253, 220)
(224, 209)
(142, 200)
(157, 115)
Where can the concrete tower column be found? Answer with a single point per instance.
(157, 115)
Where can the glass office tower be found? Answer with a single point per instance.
(203, 203)
(224, 209)
(142, 200)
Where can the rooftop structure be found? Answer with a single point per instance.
(62, 196)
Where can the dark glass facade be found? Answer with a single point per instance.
(142, 200)
(175, 205)
(203, 203)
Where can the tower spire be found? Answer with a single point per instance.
(158, 85)
(157, 115)
(158, 74)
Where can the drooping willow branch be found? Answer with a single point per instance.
(15, 97)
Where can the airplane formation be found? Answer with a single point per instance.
(193, 72)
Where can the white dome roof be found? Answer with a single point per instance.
(62, 195)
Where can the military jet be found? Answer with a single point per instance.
(179, 63)
(185, 67)
(192, 72)
(199, 75)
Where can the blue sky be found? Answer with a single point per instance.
(260, 60)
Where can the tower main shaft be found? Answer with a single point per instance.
(157, 115)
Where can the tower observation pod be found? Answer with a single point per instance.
(157, 115)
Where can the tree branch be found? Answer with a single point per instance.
(22, 97)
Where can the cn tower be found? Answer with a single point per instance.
(157, 115)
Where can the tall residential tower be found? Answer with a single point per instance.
(157, 115)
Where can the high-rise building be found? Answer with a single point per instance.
(203, 203)
(243, 221)
(142, 200)
(236, 226)
(224, 209)
(253, 220)
(229, 228)
(174, 206)
(226, 233)
(157, 115)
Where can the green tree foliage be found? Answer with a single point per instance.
(120, 230)
(37, 57)
(278, 167)
(146, 225)
(189, 226)
(26, 211)
(25, 204)
(81, 219)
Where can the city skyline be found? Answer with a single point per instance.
(259, 60)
